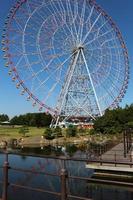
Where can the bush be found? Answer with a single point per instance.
(71, 149)
(48, 134)
(92, 132)
(32, 119)
(71, 131)
(57, 132)
(23, 130)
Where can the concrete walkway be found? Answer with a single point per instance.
(117, 153)
(114, 154)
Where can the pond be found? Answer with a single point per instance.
(50, 165)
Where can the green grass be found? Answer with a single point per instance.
(13, 132)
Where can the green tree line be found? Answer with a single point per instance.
(32, 119)
(4, 118)
(115, 121)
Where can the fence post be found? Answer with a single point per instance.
(115, 158)
(101, 159)
(131, 159)
(5, 177)
(63, 176)
(124, 143)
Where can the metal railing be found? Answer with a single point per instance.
(63, 175)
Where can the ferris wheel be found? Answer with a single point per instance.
(68, 56)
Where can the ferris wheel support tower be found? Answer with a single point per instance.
(66, 93)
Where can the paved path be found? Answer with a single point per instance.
(110, 167)
(117, 153)
(114, 154)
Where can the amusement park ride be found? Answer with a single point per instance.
(68, 56)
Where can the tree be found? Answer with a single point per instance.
(71, 149)
(57, 132)
(24, 130)
(48, 134)
(115, 121)
(32, 119)
(71, 131)
(4, 118)
(129, 125)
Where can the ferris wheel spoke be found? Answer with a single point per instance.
(17, 53)
(14, 30)
(102, 71)
(114, 86)
(90, 15)
(50, 92)
(76, 8)
(118, 80)
(99, 36)
(99, 28)
(92, 26)
(65, 21)
(104, 48)
(81, 23)
(28, 8)
(109, 40)
(109, 93)
(33, 5)
(107, 102)
(32, 63)
(31, 53)
(47, 66)
(18, 62)
(18, 24)
(54, 16)
(25, 55)
(51, 74)
(26, 79)
(53, 57)
(40, 16)
(67, 26)
(24, 11)
(44, 68)
(73, 26)
(55, 13)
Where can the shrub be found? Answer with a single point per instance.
(92, 131)
(71, 149)
(57, 132)
(24, 130)
(48, 134)
(71, 131)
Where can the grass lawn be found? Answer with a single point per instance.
(7, 133)
(13, 132)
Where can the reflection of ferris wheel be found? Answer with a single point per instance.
(68, 55)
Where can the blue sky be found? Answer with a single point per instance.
(12, 103)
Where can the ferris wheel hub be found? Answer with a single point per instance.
(78, 48)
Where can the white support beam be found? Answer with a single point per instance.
(87, 68)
